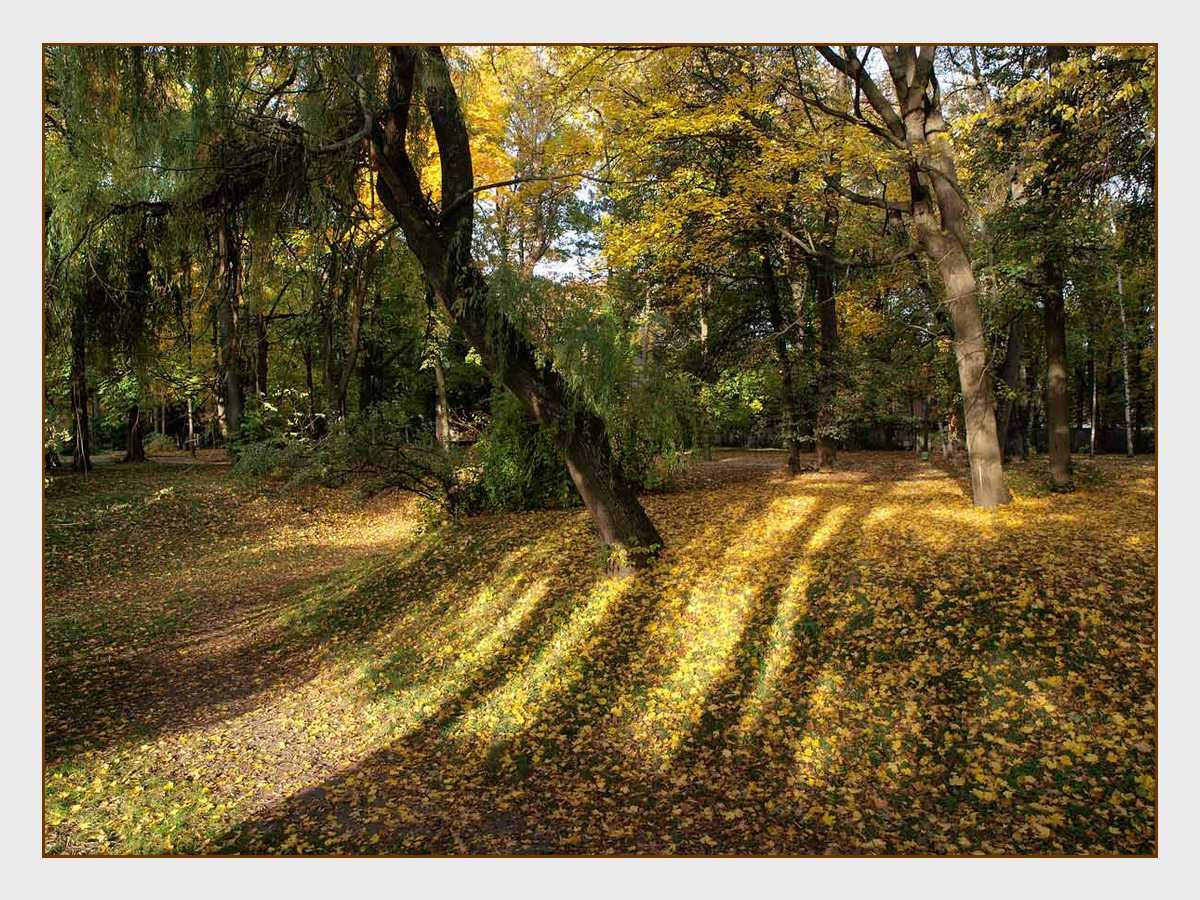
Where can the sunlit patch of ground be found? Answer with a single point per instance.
(846, 662)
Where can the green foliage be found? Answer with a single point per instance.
(276, 458)
(262, 422)
(159, 443)
(519, 466)
(736, 402)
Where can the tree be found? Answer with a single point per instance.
(441, 239)
(914, 127)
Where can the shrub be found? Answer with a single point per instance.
(275, 458)
(160, 443)
(519, 466)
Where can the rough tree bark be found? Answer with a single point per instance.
(440, 238)
(915, 126)
(1058, 429)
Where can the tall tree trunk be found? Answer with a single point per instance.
(135, 450)
(82, 453)
(1011, 373)
(440, 238)
(915, 122)
(1095, 411)
(191, 428)
(1125, 366)
(330, 372)
(311, 388)
(988, 485)
(779, 324)
(827, 376)
(228, 310)
(94, 419)
(350, 358)
(1058, 430)
(705, 423)
(442, 412)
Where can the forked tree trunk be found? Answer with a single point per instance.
(440, 238)
(827, 377)
(915, 124)
(1058, 430)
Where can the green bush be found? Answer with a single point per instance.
(160, 443)
(262, 423)
(276, 458)
(519, 466)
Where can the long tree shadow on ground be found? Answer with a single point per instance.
(893, 706)
(853, 663)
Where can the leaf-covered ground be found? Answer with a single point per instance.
(852, 663)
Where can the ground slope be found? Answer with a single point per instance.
(851, 663)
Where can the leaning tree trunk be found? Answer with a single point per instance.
(82, 455)
(944, 243)
(914, 122)
(827, 372)
(440, 238)
(988, 486)
(779, 324)
(580, 435)
(135, 450)
(1058, 430)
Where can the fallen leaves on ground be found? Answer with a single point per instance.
(852, 663)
